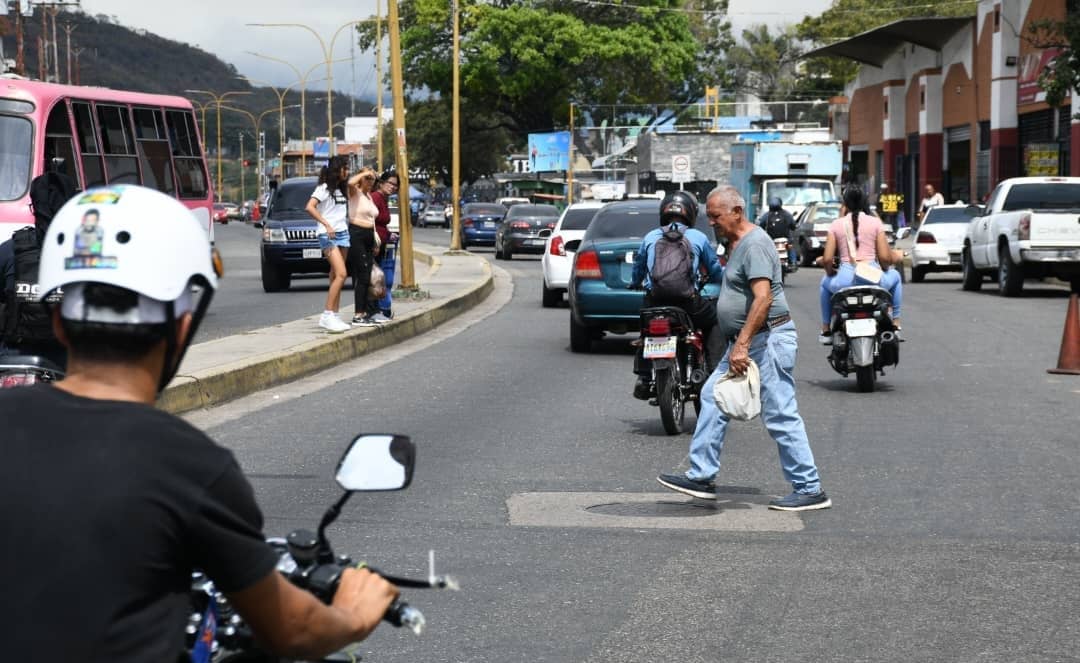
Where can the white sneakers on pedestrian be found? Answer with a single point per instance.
(332, 323)
(380, 318)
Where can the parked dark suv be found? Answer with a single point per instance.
(289, 245)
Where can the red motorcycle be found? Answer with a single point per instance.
(676, 351)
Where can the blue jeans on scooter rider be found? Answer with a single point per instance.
(866, 232)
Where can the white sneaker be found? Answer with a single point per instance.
(825, 339)
(332, 323)
(380, 318)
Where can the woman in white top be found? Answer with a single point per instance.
(328, 206)
(365, 246)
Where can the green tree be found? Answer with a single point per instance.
(522, 64)
(764, 64)
(848, 18)
(1062, 76)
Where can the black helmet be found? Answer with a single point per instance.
(679, 206)
(775, 203)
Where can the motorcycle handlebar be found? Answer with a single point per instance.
(401, 614)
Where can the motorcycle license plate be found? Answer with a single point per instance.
(312, 253)
(860, 327)
(660, 347)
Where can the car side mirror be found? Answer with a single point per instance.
(902, 233)
(975, 210)
(377, 462)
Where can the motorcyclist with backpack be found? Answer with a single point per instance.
(25, 322)
(668, 264)
(779, 223)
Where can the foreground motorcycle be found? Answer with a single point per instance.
(27, 370)
(782, 253)
(216, 633)
(676, 350)
(864, 340)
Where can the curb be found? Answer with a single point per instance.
(244, 377)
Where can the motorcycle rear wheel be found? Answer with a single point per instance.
(672, 407)
(865, 376)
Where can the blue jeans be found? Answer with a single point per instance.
(387, 262)
(774, 353)
(845, 277)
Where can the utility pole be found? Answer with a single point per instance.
(52, 11)
(243, 189)
(408, 277)
(69, 28)
(20, 61)
(77, 52)
(378, 79)
(455, 142)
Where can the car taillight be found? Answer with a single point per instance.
(520, 225)
(17, 380)
(558, 247)
(467, 222)
(587, 265)
(551, 225)
(659, 327)
(925, 238)
(1024, 229)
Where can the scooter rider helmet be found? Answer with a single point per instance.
(679, 206)
(139, 240)
(775, 203)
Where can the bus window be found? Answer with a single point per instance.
(16, 140)
(118, 145)
(153, 148)
(59, 143)
(93, 169)
(187, 156)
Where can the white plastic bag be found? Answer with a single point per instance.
(739, 396)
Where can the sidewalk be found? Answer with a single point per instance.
(227, 368)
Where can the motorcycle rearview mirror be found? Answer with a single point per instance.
(372, 463)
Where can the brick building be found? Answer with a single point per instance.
(955, 102)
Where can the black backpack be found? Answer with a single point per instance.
(672, 273)
(776, 224)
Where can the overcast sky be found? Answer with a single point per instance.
(219, 27)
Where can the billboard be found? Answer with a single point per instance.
(321, 148)
(549, 151)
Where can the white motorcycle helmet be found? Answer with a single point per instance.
(134, 238)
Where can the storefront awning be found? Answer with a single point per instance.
(876, 46)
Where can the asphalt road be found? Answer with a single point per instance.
(954, 536)
(240, 304)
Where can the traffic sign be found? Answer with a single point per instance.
(680, 168)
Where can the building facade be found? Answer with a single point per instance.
(955, 103)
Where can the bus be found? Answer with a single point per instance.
(98, 137)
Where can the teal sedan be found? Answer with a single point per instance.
(599, 299)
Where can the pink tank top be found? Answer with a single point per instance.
(362, 210)
(869, 228)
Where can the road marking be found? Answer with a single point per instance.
(732, 512)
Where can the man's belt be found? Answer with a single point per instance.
(774, 322)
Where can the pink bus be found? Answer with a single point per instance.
(103, 136)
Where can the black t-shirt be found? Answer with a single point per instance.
(106, 508)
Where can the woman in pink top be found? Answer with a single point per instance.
(364, 244)
(870, 246)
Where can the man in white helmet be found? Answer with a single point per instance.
(110, 503)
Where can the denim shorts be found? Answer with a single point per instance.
(341, 240)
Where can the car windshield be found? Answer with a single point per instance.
(486, 210)
(15, 139)
(579, 218)
(826, 213)
(946, 215)
(293, 196)
(521, 211)
(795, 192)
(1043, 195)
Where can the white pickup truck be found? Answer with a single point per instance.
(1030, 228)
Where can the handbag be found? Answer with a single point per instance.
(739, 396)
(378, 283)
(863, 268)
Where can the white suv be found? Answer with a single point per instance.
(562, 243)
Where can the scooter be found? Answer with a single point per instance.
(676, 351)
(864, 339)
(782, 253)
(27, 370)
(216, 633)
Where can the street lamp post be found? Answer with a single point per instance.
(455, 149)
(327, 60)
(257, 123)
(303, 101)
(218, 98)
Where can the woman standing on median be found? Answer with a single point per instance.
(328, 206)
(386, 187)
(365, 244)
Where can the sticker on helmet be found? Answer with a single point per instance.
(88, 245)
(109, 196)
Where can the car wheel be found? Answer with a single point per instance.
(580, 337)
(972, 278)
(1010, 276)
(498, 251)
(508, 253)
(274, 280)
(918, 274)
(551, 297)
